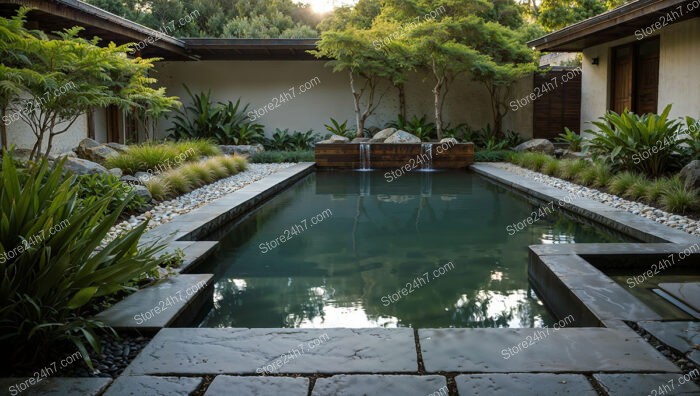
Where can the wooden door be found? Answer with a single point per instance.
(622, 78)
(646, 94)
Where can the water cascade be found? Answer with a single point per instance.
(365, 160)
(426, 156)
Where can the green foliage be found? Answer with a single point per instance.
(492, 156)
(679, 199)
(551, 167)
(649, 144)
(558, 14)
(185, 178)
(65, 76)
(51, 268)
(573, 139)
(513, 139)
(92, 188)
(274, 157)
(532, 161)
(570, 169)
(419, 127)
(639, 189)
(621, 182)
(286, 141)
(226, 123)
(156, 158)
(339, 129)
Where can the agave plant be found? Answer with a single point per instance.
(52, 266)
(651, 144)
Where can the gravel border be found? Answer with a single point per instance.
(678, 222)
(165, 211)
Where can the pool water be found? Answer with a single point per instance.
(350, 249)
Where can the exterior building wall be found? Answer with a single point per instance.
(20, 135)
(679, 66)
(259, 82)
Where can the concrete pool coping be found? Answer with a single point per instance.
(416, 360)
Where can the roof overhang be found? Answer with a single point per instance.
(56, 15)
(616, 24)
(250, 49)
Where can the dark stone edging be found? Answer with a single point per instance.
(184, 231)
(563, 274)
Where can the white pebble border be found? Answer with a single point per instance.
(672, 220)
(166, 211)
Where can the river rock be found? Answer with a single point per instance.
(242, 149)
(384, 134)
(402, 137)
(116, 172)
(536, 145)
(118, 147)
(82, 166)
(84, 145)
(142, 191)
(690, 174)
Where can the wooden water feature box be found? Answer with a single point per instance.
(390, 155)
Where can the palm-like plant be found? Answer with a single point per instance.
(51, 262)
(651, 144)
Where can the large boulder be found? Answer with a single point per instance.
(83, 147)
(334, 139)
(383, 135)
(83, 167)
(242, 149)
(141, 191)
(536, 145)
(99, 154)
(690, 174)
(402, 137)
(574, 155)
(118, 147)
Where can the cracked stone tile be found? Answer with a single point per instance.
(224, 385)
(524, 385)
(405, 385)
(153, 386)
(644, 384)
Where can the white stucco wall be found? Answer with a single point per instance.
(679, 70)
(20, 135)
(258, 82)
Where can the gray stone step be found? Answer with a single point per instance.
(645, 384)
(570, 350)
(153, 386)
(54, 386)
(257, 351)
(225, 385)
(524, 385)
(405, 385)
(684, 337)
(161, 304)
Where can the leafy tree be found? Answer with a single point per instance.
(352, 51)
(558, 14)
(71, 76)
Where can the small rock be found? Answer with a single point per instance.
(536, 145)
(118, 147)
(384, 134)
(83, 167)
(116, 172)
(402, 137)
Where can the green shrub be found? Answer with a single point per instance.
(647, 144)
(225, 123)
(157, 158)
(638, 189)
(283, 140)
(339, 129)
(551, 167)
(52, 273)
(419, 127)
(93, 187)
(678, 199)
(603, 174)
(621, 182)
(492, 156)
(573, 139)
(273, 157)
(570, 169)
(159, 188)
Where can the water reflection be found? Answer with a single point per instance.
(381, 238)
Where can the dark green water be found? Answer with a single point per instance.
(444, 233)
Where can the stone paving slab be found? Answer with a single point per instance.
(153, 386)
(524, 385)
(54, 386)
(564, 350)
(644, 384)
(600, 249)
(244, 351)
(225, 385)
(404, 385)
(195, 254)
(688, 293)
(158, 305)
(684, 337)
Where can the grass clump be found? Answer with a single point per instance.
(620, 183)
(638, 189)
(679, 199)
(161, 157)
(492, 156)
(159, 188)
(551, 167)
(570, 169)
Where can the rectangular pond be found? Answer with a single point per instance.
(360, 249)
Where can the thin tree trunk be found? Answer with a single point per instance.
(402, 100)
(3, 128)
(437, 92)
(356, 99)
